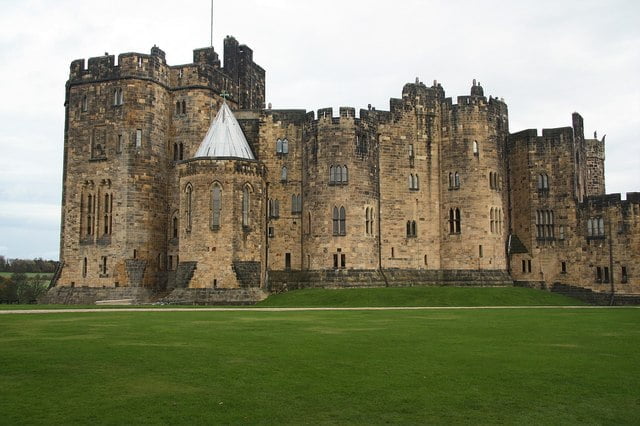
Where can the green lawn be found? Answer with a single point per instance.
(515, 366)
(419, 296)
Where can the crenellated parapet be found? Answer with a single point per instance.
(241, 78)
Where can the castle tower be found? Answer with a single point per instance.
(409, 179)
(115, 175)
(221, 211)
(473, 175)
(340, 192)
(127, 127)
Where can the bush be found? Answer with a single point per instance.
(22, 289)
(8, 291)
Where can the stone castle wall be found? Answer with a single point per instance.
(430, 191)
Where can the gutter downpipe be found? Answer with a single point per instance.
(379, 236)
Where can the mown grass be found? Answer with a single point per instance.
(549, 366)
(419, 296)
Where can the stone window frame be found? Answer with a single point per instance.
(595, 227)
(247, 190)
(216, 205)
(339, 220)
(282, 146)
(296, 204)
(85, 267)
(368, 220)
(412, 229)
(542, 182)
(284, 174)
(274, 208)
(455, 222)
(338, 175)
(118, 97)
(414, 182)
(545, 226)
(175, 225)
(188, 189)
(454, 180)
(108, 213)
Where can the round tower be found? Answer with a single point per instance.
(221, 219)
(473, 183)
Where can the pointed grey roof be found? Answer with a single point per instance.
(225, 138)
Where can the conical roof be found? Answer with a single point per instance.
(225, 138)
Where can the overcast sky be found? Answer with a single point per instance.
(546, 58)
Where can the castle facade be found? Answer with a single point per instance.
(430, 192)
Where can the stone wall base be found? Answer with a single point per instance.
(210, 296)
(280, 281)
(89, 295)
(594, 297)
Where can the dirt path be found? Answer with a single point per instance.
(220, 309)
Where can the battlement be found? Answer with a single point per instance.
(345, 113)
(287, 115)
(240, 77)
(555, 136)
(130, 64)
(611, 200)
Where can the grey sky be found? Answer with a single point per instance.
(546, 58)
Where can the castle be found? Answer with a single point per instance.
(160, 198)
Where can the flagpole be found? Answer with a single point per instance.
(211, 24)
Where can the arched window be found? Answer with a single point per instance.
(475, 148)
(331, 174)
(246, 202)
(369, 220)
(175, 152)
(454, 221)
(543, 182)
(189, 206)
(184, 107)
(411, 228)
(181, 147)
(336, 221)
(283, 175)
(90, 207)
(174, 226)
(108, 206)
(450, 180)
(279, 146)
(491, 180)
(177, 107)
(491, 220)
(274, 208)
(457, 180)
(216, 206)
(345, 174)
(296, 203)
(285, 146)
(84, 267)
(85, 103)
(500, 221)
(601, 227)
(343, 221)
